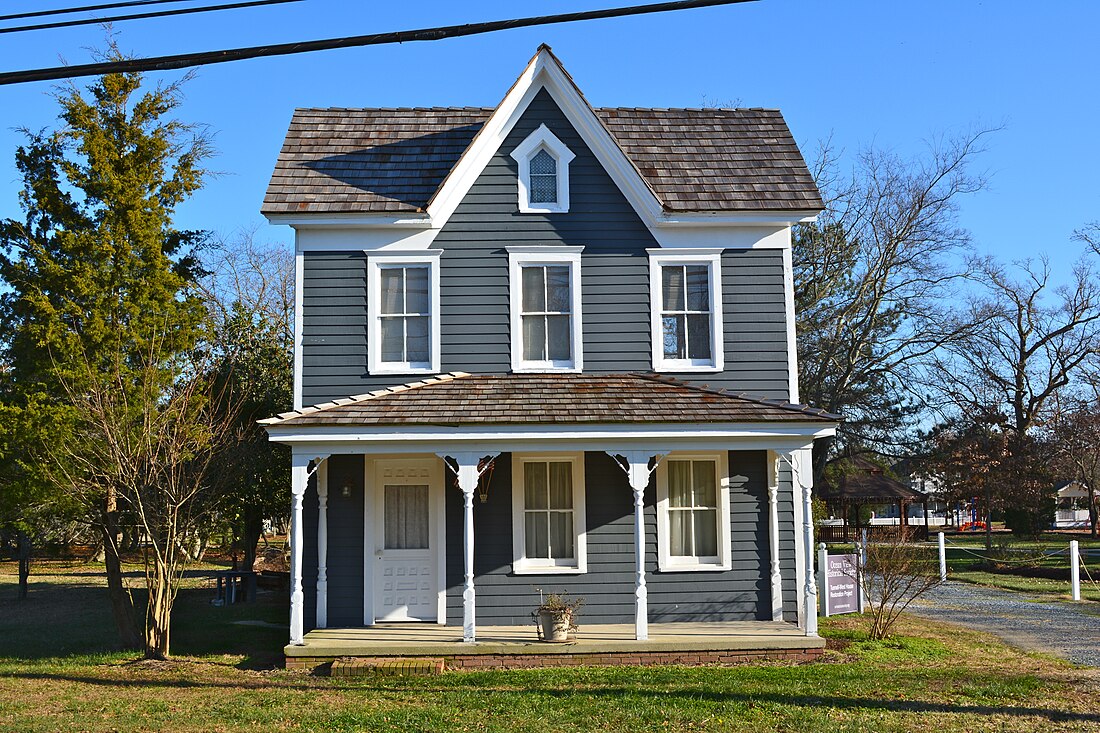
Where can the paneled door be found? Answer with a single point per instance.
(406, 578)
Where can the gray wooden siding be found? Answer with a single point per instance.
(741, 593)
(345, 545)
(474, 285)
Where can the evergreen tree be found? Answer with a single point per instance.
(99, 278)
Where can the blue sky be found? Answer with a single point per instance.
(894, 74)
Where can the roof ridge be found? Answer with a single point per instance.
(757, 399)
(366, 396)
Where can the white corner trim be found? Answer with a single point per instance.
(521, 565)
(375, 261)
(518, 257)
(299, 320)
(543, 139)
(789, 314)
(712, 258)
(665, 561)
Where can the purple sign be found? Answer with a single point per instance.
(841, 585)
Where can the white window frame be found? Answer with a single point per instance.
(375, 262)
(666, 562)
(712, 259)
(521, 564)
(543, 139)
(521, 256)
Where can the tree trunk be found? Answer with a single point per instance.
(24, 565)
(122, 605)
(1092, 512)
(158, 617)
(988, 517)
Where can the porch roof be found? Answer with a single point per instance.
(458, 399)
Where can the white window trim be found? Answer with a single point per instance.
(521, 565)
(665, 561)
(519, 256)
(712, 258)
(375, 262)
(542, 138)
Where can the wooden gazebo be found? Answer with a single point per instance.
(866, 484)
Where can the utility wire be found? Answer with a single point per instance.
(87, 8)
(139, 16)
(181, 61)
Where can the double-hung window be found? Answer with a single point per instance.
(403, 309)
(686, 299)
(693, 513)
(548, 514)
(543, 173)
(545, 308)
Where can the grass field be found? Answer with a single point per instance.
(58, 671)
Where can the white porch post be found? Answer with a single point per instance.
(468, 475)
(803, 474)
(637, 474)
(773, 536)
(322, 546)
(299, 478)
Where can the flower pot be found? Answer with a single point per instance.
(555, 625)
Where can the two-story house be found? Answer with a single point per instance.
(546, 347)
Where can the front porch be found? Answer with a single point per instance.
(505, 647)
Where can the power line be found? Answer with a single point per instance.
(87, 8)
(182, 61)
(139, 16)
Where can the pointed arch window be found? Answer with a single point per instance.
(543, 173)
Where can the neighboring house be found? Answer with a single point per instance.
(525, 333)
(1073, 505)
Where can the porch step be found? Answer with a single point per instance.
(356, 666)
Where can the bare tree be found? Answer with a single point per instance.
(1031, 340)
(151, 435)
(895, 574)
(871, 277)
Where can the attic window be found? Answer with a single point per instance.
(543, 173)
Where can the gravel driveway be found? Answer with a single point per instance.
(1022, 620)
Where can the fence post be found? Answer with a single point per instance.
(943, 559)
(823, 577)
(1075, 570)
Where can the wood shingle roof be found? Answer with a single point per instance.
(555, 399)
(382, 160)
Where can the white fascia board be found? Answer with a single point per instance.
(345, 238)
(653, 446)
(386, 221)
(727, 218)
(797, 434)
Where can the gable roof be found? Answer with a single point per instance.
(383, 160)
(550, 399)
(665, 161)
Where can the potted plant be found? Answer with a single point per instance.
(555, 618)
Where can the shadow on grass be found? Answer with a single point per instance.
(64, 619)
(615, 693)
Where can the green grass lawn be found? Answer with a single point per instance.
(58, 672)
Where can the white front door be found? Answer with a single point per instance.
(407, 520)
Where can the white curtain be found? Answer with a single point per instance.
(406, 517)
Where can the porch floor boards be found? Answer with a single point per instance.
(426, 639)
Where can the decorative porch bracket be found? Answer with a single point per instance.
(300, 472)
(636, 466)
(466, 469)
(773, 536)
(805, 482)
